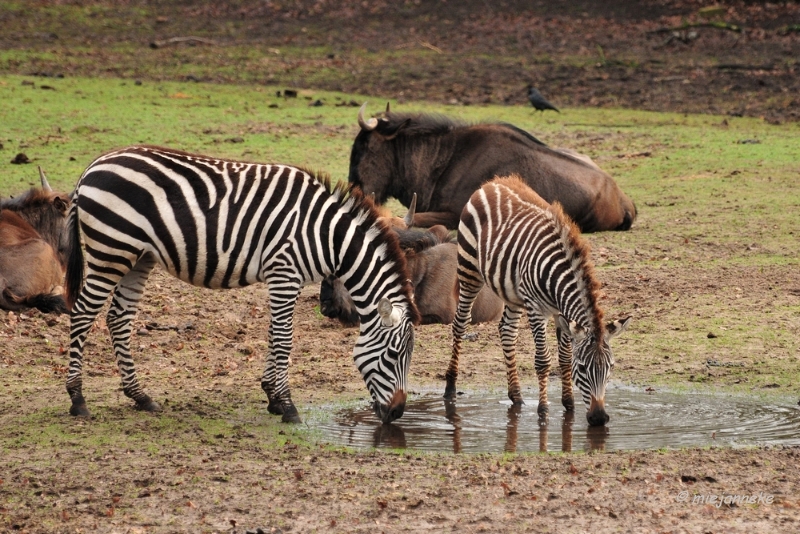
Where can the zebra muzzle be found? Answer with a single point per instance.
(597, 416)
(395, 408)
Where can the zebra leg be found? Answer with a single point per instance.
(508, 328)
(542, 363)
(468, 289)
(275, 380)
(565, 366)
(119, 319)
(91, 298)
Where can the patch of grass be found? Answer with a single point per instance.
(713, 194)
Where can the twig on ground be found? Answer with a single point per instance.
(686, 25)
(177, 40)
(432, 47)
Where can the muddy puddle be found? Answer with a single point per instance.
(639, 420)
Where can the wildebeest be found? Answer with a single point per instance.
(31, 263)
(431, 260)
(444, 162)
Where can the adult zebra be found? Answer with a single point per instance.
(532, 256)
(223, 224)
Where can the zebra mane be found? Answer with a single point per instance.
(368, 217)
(578, 253)
(577, 249)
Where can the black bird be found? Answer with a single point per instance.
(538, 101)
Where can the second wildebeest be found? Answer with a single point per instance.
(431, 258)
(431, 264)
(31, 262)
(444, 162)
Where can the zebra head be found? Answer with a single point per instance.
(592, 362)
(383, 355)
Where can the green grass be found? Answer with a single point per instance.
(709, 198)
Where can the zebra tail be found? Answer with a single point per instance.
(74, 278)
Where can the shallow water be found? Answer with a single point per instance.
(639, 420)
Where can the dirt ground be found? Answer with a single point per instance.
(215, 461)
(667, 55)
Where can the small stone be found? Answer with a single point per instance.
(245, 349)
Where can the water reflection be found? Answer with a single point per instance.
(393, 435)
(389, 435)
(489, 424)
(452, 416)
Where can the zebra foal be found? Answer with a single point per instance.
(531, 255)
(223, 224)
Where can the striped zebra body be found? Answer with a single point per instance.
(224, 224)
(531, 255)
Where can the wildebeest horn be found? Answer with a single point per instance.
(43, 178)
(412, 208)
(366, 125)
(387, 107)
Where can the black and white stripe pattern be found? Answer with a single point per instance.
(223, 224)
(532, 256)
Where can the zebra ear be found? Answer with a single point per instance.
(615, 328)
(576, 332)
(390, 316)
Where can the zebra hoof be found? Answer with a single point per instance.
(148, 405)
(569, 404)
(290, 414)
(543, 409)
(516, 399)
(275, 407)
(79, 410)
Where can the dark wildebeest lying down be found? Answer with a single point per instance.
(444, 162)
(431, 260)
(31, 264)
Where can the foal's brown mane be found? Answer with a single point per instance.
(575, 246)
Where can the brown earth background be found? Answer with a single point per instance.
(213, 461)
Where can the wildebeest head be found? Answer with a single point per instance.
(375, 162)
(44, 209)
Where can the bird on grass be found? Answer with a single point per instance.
(538, 101)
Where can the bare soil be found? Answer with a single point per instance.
(215, 461)
(666, 55)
